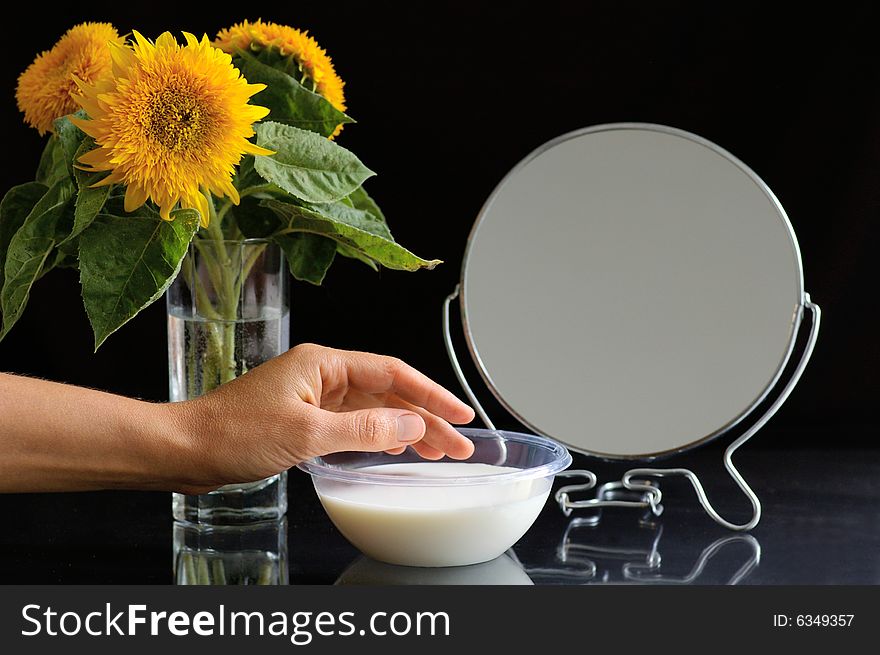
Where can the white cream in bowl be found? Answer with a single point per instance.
(435, 526)
(404, 510)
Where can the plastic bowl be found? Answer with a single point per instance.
(402, 509)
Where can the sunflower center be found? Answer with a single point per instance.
(176, 119)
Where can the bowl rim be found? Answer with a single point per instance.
(561, 461)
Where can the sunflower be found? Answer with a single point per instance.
(45, 89)
(318, 73)
(171, 124)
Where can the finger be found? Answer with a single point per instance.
(427, 452)
(439, 434)
(368, 430)
(355, 399)
(379, 374)
(396, 451)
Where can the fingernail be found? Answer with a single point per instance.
(409, 427)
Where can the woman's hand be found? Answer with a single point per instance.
(309, 401)
(314, 401)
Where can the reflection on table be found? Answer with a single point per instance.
(590, 553)
(253, 554)
(587, 553)
(503, 570)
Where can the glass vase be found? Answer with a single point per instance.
(252, 554)
(228, 312)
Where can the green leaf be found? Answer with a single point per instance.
(359, 218)
(351, 253)
(56, 162)
(67, 250)
(316, 220)
(360, 199)
(127, 262)
(254, 220)
(309, 256)
(53, 165)
(58, 259)
(18, 202)
(70, 137)
(286, 63)
(30, 249)
(308, 166)
(245, 175)
(288, 101)
(89, 201)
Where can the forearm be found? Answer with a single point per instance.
(309, 401)
(56, 437)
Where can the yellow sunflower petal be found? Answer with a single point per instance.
(165, 208)
(96, 157)
(200, 202)
(86, 126)
(121, 57)
(113, 178)
(254, 89)
(142, 42)
(165, 41)
(135, 196)
(254, 149)
(90, 105)
(232, 192)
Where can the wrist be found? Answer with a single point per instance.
(179, 447)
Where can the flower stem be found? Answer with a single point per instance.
(212, 271)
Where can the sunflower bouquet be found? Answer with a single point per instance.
(156, 146)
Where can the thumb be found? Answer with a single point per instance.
(369, 430)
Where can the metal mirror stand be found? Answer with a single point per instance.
(634, 490)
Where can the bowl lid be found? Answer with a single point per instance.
(354, 466)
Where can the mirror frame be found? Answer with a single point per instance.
(485, 374)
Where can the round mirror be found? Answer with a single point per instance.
(631, 290)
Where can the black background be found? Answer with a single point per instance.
(449, 96)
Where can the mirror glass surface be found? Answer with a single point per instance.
(631, 290)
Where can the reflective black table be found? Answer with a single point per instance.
(821, 525)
